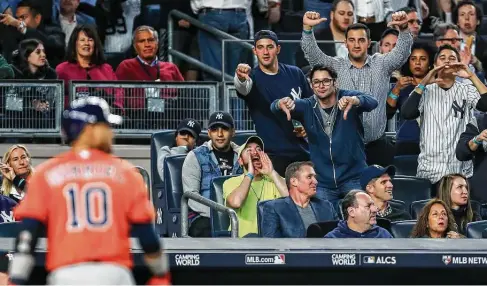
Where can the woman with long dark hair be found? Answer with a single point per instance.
(29, 61)
(85, 61)
(436, 221)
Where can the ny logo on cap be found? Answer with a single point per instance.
(191, 123)
(219, 116)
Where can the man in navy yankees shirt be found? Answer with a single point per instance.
(259, 87)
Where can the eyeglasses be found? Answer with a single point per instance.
(419, 22)
(452, 40)
(325, 82)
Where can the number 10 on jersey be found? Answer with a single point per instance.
(88, 207)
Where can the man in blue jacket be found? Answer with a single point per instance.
(359, 218)
(291, 216)
(332, 119)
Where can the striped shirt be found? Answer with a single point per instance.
(372, 78)
(447, 114)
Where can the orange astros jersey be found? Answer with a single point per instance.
(87, 201)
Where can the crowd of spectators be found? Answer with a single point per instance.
(320, 110)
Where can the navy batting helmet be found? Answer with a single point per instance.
(86, 110)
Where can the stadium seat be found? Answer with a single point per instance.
(320, 229)
(173, 187)
(241, 136)
(219, 220)
(402, 229)
(398, 204)
(483, 211)
(475, 229)
(260, 214)
(417, 207)
(9, 229)
(406, 165)
(410, 189)
(384, 223)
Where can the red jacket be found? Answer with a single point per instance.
(72, 71)
(134, 70)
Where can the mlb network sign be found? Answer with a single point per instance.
(259, 259)
(464, 260)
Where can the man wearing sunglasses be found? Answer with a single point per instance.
(332, 118)
(414, 23)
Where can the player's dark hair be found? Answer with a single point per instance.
(322, 68)
(421, 229)
(389, 31)
(98, 57)
(447, 47)
(35, 8)
(358, 26)
(336, 2)
(441, 29)
(478, 11)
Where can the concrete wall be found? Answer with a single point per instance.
(139, 155)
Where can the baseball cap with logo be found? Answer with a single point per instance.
(251, 139)
(221, 118)
(190, 125)
(86, 110)
(375, 171)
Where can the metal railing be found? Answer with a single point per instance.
(209, 203)
(31, 107)
(148, 107)
(207, 28)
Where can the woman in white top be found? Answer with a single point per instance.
(16, 168)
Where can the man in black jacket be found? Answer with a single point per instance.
(376, 181)
(473, 146)
(28, 24)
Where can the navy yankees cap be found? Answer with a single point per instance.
(221, 118)
(266, 34)
(190, 125)
(375, 171)
(86, 110)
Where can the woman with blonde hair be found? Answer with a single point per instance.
(16, 168)
(454, 190)
(436, 221)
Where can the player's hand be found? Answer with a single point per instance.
(9, 20)
(453, 234)
(267, 167)
(243, 72)
(7, 171)
(311, 19)
(399, 21)
(157, 280)
(430, 76)
(287, 105)
(346, 103)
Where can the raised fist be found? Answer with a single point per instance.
(311, 19)
(243, 72)
(399, 20)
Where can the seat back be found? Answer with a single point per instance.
(320, 229)
(242, 136)
(12, 229)
(402, 229)
(406, 165)
(384, 223)
(410, 189)
(159, 140)
(417, 207)
(398, 204)
(173, 189)
(476, 228)
(219, 220)
(260, 215)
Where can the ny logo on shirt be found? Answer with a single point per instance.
(459, 111)
(296, 95)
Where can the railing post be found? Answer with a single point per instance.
(184, 216)
(170, 30)
(233, 223)
(223, 59)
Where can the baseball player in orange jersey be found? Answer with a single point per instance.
(89, 201)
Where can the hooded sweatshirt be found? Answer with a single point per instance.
(343, 231)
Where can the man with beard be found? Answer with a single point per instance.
(359, 218)
(332, 119)
(368, 74)
(291, 216)
(260, 183)
(216, 157)
(376, 181)
(259, 87)
(445, 107)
